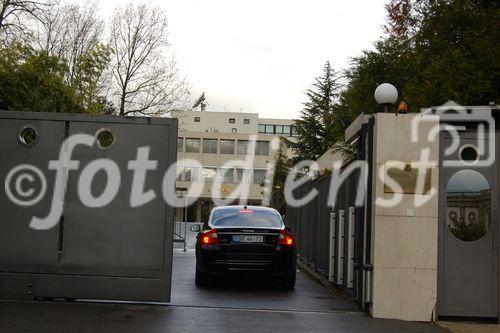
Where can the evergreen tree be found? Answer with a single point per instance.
(281, 170)
(456, 53)
(320, 124)
(434, 51)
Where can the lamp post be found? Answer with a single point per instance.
(386, 94)
(277, 201)
(183, 194)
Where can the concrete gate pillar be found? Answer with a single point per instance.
(405, 232)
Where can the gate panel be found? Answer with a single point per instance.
(468, 228)
(21, 247)
(114, 252)
(115, 239)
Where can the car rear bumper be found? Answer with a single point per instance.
(276, 264)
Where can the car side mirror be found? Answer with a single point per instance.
(195, 228)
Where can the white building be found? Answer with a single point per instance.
(219, 139)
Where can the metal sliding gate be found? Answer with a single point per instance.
(61, 236)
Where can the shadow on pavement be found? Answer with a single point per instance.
(244, 292)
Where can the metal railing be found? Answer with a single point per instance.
(335, 240)
(180, 233)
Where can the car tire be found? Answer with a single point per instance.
(200, 279)
(288, 282)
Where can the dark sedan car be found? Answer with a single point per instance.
(245, 239)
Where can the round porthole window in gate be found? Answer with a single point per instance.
(105, 138)
(27, 136)
(468, 154)
(468, 208)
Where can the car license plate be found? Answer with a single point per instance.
(248, 239)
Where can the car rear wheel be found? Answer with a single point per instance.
(288, 282)
(200, 279)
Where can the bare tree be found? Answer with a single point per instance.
(74, 33)
(70, 31)
(146, 82)
(51, 33)
(15, 14)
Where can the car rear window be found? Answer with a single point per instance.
(245, 218)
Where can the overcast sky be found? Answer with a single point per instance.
(260, 56)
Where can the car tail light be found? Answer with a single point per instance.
(285, 238)
(209, 237)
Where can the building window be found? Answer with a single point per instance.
(180, 144)
(276, 129)
(208, 174)
(227, 147)
(191, 174)
(243, 176)
(294, 131)
(193, 145)
(180, 171)
(246, 121)
(210, 146)
(232, 120)
(187, 174)
(197, 119)
(227, 175)
(262, 148)
(287, 130)
(259, 176)
(242, 147)
(234, 130)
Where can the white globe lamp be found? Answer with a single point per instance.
(386, 94)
